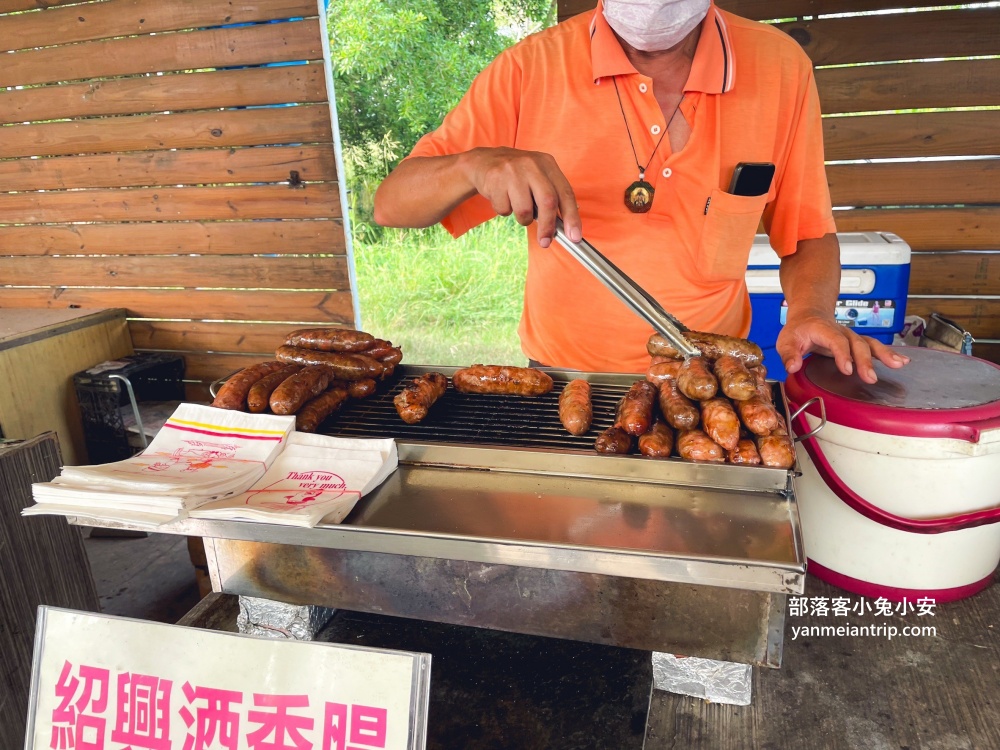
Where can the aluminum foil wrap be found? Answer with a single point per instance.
(270, 619)
(716, 681)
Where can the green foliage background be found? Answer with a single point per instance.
(399, 67)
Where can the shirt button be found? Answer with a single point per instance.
(655, 130)
(667, 171)
(643, 88)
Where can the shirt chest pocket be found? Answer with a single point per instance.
(731, 222)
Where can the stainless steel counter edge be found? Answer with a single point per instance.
(721, 572)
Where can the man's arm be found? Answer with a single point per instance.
(810, 279)
(421, 191)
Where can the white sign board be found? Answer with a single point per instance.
(108, 682)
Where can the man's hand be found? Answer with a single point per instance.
(816, 333)
(517, 182)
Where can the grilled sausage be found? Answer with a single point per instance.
(660, 371)
(260, 392)
(518, 381)
(304, 385)
(720, 422)
(680, 412)
(759, 373)
(745, 453)
(635, 413)
(696, 381)
(361, 388)
(575, 410)
(314, 411)
(695, 445)
(233, 393)
(419, 395)
(613, 440)
(658, 442)
(712, 345)
(759, 416)
(734, 378)
(384, 352)
(345, 366)
(330, 339)
(777, 449)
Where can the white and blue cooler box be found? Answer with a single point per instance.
(873, 285)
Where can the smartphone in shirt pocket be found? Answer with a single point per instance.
(731, 221)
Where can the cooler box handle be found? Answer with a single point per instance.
(875, 513)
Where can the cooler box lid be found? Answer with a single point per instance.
(937, 395)
(856, 249)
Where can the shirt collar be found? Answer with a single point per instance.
(712, 70)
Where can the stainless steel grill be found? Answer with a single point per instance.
(477, 419)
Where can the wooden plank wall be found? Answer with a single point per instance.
(937, 184)
(144, 166)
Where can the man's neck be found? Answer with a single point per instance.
(667, 65)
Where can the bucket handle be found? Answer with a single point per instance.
(817, 428)
(874, 513)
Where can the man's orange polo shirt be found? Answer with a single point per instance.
(750, 97)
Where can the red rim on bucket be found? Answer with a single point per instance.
(937, 395)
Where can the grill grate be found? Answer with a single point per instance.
(477, 419)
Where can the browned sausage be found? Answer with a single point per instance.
(419, 395)
(314, 411)
(658, 442)
(695, 445)
(385, 352)
(696, 381)
(330, 339)
(777, 451)
(575, 410)
(660, 371)
(720, 422)
(306, 384)
(759, 416)
(233, 393)
(361, 388)
(518, 381)
(680, 412)
(712, 345)
(345, 366)
(734, 378)
(745, 453)
(260, 392)
(759, 373)
(635, 413)
(613, 440)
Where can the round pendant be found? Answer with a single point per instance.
(639, 197)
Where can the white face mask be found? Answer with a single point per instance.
(654, 25)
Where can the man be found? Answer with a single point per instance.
(629, 124)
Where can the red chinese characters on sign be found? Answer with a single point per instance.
(78, 721)
(213, 717)
(367, 727)
(142, 712)
(278, 729)
(140, 716)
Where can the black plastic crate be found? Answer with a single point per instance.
(153, 377)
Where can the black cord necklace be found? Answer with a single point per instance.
(639, 195)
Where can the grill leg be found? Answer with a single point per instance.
(270, 619)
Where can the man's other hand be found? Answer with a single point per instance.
(822, 335)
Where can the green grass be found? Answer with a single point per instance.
(446, 301)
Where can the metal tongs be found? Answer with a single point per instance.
(633, 295)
